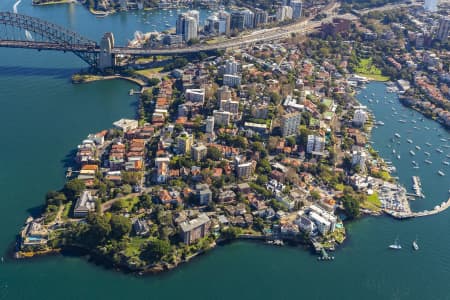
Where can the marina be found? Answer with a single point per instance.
(428, 177)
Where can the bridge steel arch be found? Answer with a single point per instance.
(58, 37)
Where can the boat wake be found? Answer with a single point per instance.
(15, 10)
(16, 5)
(28, 36)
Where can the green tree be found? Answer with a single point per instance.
(73, 188)
(214, 154)
(231, 233)
(99, 230)
(351, 206)
(155, 250)
(120, 226)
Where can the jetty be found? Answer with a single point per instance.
(417, 187)
(411, 214)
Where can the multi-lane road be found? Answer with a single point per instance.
(272, 34)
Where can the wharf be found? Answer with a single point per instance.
(417, 187)
(406, 215)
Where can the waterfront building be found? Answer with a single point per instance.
(242, 19)
(209, 124)
(190, 29)
(297, 7)
(218, 23)
(223, 15)
(187, 25)
(284, 13)
(359, 117)
(443, 30)
(315, 145)
(359, 159)
(204, 194)
(199, 152)
(323, 225)
(126, 124)
(430, 5)
(231, 80)
(85, 204)
(184, 142)
(305, 224)
(290, 123)
(195, 95)
(173, 39)
(221, 117)
(195, 229)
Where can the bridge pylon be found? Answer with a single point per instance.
(106, 58)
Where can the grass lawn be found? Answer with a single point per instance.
(130, 202)
(150, 73)
(134, 246)
(67, 207)
(215, 40)
(369, 70)
(373, 202)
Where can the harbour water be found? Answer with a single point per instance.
(43, 117)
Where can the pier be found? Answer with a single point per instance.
(417, 187)
(406, 215)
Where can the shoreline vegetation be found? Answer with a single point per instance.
(52, 2)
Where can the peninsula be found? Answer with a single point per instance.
(265, 142)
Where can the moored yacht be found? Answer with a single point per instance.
(415, 245)
(395, 246)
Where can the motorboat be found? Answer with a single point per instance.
(441, 173)
(428, 161)
(395, 246)
(439, 150)
(409, 141)
(415, 245)
(397, 135)
(412, 152)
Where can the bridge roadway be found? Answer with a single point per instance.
(234, 43)
(49, 46)
(406, 215)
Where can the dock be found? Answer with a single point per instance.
(411, 214)
(133, 92)
(417, 187)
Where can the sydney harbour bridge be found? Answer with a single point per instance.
(43, 35)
